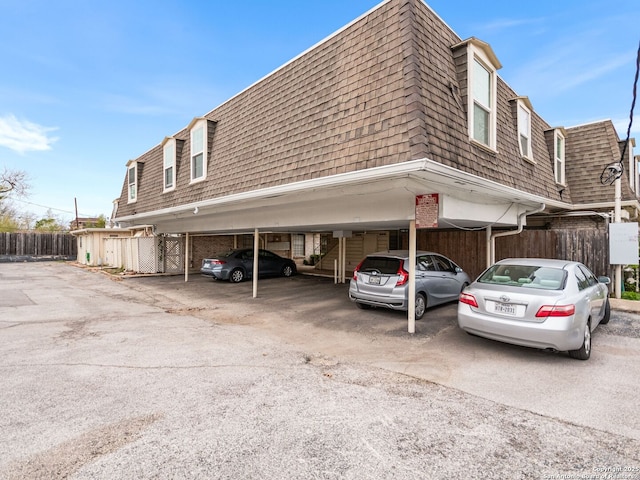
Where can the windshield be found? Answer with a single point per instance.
(529, 276)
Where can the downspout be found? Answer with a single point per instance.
(521, 217)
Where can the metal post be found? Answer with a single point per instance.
(411, 313)
(490, 248)
(617, 218)
(344, 260)
(186, 257)
(256, 251)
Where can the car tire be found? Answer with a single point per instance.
(607, 313)
(421, 306)
(288, 271)
(584, 352)
(363, 306)
(236, 275)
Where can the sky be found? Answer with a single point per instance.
(86, 86)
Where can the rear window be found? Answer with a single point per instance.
(384, 265)
(525, 276)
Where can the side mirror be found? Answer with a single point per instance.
(605, 280)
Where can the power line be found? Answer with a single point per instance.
(52, 208)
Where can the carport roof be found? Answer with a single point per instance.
(372, 199)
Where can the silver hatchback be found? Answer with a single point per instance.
(539, 303)
(382, 278)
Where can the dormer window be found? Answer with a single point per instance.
(483, 95)
(198, 130)
(524, 130)
(558, 155)
(521, 109)
(169, 164)
(476, 65)
(132, 181)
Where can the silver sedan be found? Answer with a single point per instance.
(539, 303)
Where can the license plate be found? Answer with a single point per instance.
(505, 308)
(374, 280)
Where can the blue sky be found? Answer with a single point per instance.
(86, 86)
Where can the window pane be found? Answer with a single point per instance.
(197, 139)
(559, 148)
(524, 129)
(481, 84)
(298, 245)
(559, 176)
(132, 192)
(132, 176)
(168, 177)
(168, 155)
(524, 145)
(480, 124)
(197, 166)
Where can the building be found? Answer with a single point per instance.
(330, 152)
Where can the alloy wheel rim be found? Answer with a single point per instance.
(587, 340)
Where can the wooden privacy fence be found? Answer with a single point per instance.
(33, 244)
(468, 248)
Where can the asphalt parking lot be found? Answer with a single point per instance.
(157, 378)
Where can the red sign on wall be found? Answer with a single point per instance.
(427, 210)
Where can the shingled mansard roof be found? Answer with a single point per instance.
(383, 90)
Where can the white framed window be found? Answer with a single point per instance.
(524, 130)
(559, 157)
(198, 162)
(132, 181)
(482, 95)
(169, 165)
(482, 81)
(298, 244)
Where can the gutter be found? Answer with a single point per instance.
(422, 170)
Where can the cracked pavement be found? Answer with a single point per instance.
(158, 378)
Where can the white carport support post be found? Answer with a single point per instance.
(490, 248)
(344, 260)
(617, 217)
(256, 251)
(339, 270)
(186, 257)
(411, 313)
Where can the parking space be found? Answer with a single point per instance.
(155, 377)
(316, 316)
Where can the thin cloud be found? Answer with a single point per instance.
(24, 136)
(507, 24)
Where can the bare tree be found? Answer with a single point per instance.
(14, 182)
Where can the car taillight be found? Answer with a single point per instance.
(556, 311)
(218, 262)
(468, 299)
(356, 270)
(403, 275)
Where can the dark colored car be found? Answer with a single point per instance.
(237, 265)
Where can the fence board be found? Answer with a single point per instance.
(38, 244)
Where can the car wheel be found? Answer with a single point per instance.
(607, 313)
(421, 306)
(363, 306)
(236, 275)
(584, 352)
(287, 271)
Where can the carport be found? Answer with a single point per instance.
(378, 198)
